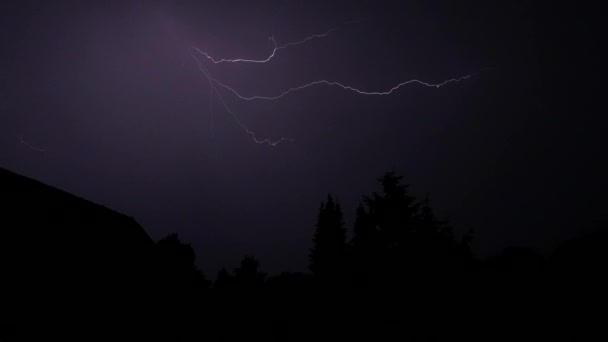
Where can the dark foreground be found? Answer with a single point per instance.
(74, 270)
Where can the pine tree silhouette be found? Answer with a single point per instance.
(328, 253)
(397, 239)
(365, 249)
(393, 212)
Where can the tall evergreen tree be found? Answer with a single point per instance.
(328, 252)
(396, 236)
(393, 212)
(438, 248)
(365, 231)
(365, 249)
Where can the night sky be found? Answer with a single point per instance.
(104, 100)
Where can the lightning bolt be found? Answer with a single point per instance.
(338, 84)
(30, 146)
(220, 98)
(214, 83)
(271, 55)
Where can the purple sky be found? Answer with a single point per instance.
(110, 92)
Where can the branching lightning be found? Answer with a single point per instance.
(215, 83)
(338, 84)
(275, 49)
(30, 146)
(232, 113)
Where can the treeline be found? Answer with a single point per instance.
(397, 241)
(66, 260)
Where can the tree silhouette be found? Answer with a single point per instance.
(289, 282)
(224, 280)
(398, 238)
(398, 246)
(393, 212)
(365, 249)
(434, 247)
(177, 267)
(584, 258)
(329, 244)
(382, 231)
(365, 238)
(248, 276)
(515, 263)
